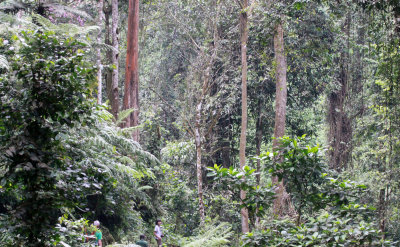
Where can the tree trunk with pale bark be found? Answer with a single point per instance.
(282, 202)
(242, 146)
(115, 61)
(199, 167)
(259, 134)
(108, 41)
(98, 51)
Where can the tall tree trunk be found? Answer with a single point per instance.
(259, 134)
(397, 20)
(382, 209)
(107, 40)
(340, 129)
(199, 171)
(242, 146)
(282, 202)
(99, 65)
(115, 55)
(198, 132)
(131, 94)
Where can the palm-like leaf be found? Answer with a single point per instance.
(3, 62)
(56, 7)
(211, 235)
(107, 148)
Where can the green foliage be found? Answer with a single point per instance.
(118, 172)
(306, 176)
(123, 245)
(179, 153)
(3, 62)
(334, 217)
(258, 198)
(98, 172)
(180, 199)
(6, 238)
(300, 166)
(179, 203)
(326, 229)
(58, 152)
(72, 232)
(212, 234)
(45, 92)
(43, 8)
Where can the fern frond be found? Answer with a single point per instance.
(75, 30)
(104, 116)
(3, 62)
(12, 6)
(145, 188)
(122, 115)
(211, 235)
(123, 245)
(66, 28)
(126, 160)
(128, 131)
(104, 147)
(88, 162)
(62, 10)
(99, 142)
(129, 171)
(10, 23)
(104, 46)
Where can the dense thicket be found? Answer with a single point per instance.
(216, 81)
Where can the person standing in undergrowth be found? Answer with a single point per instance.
(98, 234)
(142, 242)
(158, 232)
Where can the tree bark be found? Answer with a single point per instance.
(131, 94)
(242, 146)
(282, 202)
(115, 55)
(199, 171)
(259, 134)
(382, 210)
(340, 128)
(99, 65)
(199, 132)
(107, 40)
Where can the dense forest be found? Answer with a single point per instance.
(233, 122)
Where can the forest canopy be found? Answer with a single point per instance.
(199, 123)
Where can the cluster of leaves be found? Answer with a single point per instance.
(72, 232)
(301, 168)
(211, 234)
(257, 199)
(116, 170)
(306, 178)
(60, 151)
(44, 93)
(181, 200)
(326, 229)
(334, 217)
